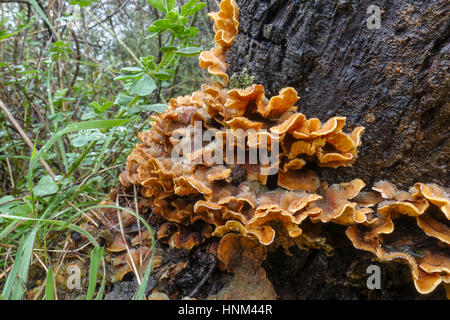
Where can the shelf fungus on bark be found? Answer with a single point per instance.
(410, 226)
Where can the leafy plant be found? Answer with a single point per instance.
(178, 24)
(80, 92)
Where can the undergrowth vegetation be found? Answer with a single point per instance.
(78, 80)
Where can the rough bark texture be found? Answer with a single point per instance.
(394, 81)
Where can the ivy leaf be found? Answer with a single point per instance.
(45, 186)
(144, 86)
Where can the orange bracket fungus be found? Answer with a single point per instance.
(410, 226)
(234, 164)
(226, 24)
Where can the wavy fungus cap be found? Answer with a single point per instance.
(410, 226)
(226, 25)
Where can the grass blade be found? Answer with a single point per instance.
(96, 257)
(44, 17)
(49, 285)
(14, 285)
(143, 286)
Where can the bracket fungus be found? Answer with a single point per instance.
(226, 24)
(210, 186)
(411, 226)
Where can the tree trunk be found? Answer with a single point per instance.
(394, 81)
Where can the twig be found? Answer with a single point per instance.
(133, 265)
(25, 137)
(77, 59)
(208, 274)
(11, 176)
(5, 272)
(110, 15)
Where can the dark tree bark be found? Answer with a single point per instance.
(394, 81)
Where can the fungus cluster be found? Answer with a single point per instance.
(226, 24)
(411, 226)
(246, 204)
(185, 191)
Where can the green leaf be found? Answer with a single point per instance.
(4, 35)
(82, 3)
(16, 209)
(168, 49)
(144, 86)
(123, 100)
(162, 75)
(49, 285)
(189, 51)
(80, 141)
(100, 108)
(5, 199)
(159, 26)
(96, 257)
(131, 70)
(170, 4)
(128, 76)
(7, 204)
(13, 288)
(45, 186)
(157, 107)
(192, 7)
(73, 127)
(189, 33)
(158, 4)
(172, 16)
(187, 6)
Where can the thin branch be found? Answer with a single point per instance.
(208, 274)
(110, 15)
(25, 137)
